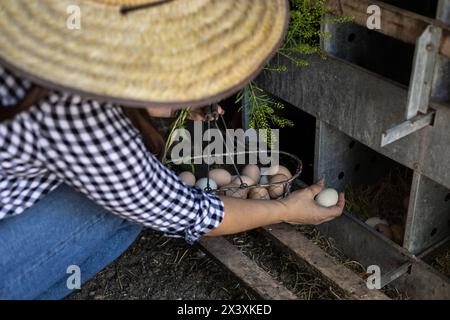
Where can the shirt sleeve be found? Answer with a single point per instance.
(95, 149)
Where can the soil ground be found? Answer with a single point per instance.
(156, 267)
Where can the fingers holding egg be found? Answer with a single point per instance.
(327, 198)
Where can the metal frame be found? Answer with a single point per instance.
(355, 107)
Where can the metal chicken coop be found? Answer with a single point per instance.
(380, 99)
(382, 96)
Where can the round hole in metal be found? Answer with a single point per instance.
(351, 37)
(433, 232)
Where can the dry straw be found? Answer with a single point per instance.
(179, 52)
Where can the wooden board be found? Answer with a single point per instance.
(245, 269)
(307, 252)
(395, 22)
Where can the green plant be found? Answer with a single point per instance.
(303, 37)
(173, 136)
(263, 110)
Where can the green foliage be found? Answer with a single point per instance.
(179, 123)
(304, 33)
(263, 111)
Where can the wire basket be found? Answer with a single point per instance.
(288, 160)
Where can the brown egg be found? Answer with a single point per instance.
(188, 178)
(278, 169)
(221, 176)
(252, 171)
(277, 190)
(285, 171)
(259, 194)
(247, 180)
(236, 192)
(384, 230)
(397, 233)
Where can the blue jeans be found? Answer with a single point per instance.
(63, 229)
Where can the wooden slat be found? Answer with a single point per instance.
(245, 269)
(395, 22)
(307, 252)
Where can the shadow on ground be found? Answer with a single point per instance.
(156, 267)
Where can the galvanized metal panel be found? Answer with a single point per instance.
(345, 162)
(363, 105)
(310, 254)
(425, 58)
(429, 215)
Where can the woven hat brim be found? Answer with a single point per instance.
(183, 53)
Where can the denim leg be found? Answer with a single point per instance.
(64, 228)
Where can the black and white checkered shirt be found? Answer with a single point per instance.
(95, 149)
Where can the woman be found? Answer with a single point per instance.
(79, 177)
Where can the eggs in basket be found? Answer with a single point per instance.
(249, 181)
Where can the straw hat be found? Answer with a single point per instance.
(165, 52)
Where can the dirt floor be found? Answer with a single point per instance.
(156, 267)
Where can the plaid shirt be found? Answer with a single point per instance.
(95, 149)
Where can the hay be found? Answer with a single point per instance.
(388, 198)
(284, 268)
(442, 262)
(329, 246)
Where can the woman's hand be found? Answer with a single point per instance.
(197, 114)
(301, 208)
(298, 208)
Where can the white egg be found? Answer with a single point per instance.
(376, 220)
(188, 178)
(203, 184)
(327, 197)
(252, 171)
(384, 230)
